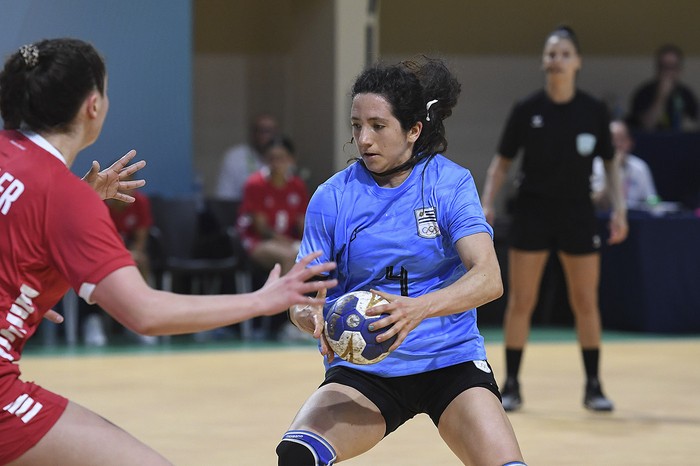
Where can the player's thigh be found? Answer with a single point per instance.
(344, 417)
(477, 429)
(81, 437)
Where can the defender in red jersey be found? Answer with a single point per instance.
(57, 233)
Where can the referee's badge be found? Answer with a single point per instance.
(585, 144)
(426, 222)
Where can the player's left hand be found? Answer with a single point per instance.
(404, 315)
(114, 182)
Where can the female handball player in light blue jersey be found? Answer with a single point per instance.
(406, 222)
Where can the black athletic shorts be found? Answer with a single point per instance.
(401, 398)
(554, 224)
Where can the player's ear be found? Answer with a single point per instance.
(414, 132)
(92, 104)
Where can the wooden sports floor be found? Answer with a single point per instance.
(230, 404)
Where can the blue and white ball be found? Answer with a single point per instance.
(347, 328)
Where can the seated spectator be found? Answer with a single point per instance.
(637, 180)
(272, 212)
(273, 208)
(243, 160)
(664, 103)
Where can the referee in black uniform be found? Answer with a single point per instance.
(559, 130)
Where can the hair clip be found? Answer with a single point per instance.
(427, 109)
(30, 55)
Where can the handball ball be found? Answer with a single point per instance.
(347, 328)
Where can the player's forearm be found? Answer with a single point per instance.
(481, 285)
(165, 313)
(126, 297)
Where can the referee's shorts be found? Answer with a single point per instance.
(567, 225)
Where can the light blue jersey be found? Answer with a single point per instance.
(402, 241)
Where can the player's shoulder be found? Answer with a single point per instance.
(344, 178)
(447, 169)
(343, 186)
(21, 157)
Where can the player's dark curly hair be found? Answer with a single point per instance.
(45, 92)
(408, 87)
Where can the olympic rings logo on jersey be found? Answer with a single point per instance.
(431, 230)
(426, 223)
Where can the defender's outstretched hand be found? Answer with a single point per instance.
(114, 182)
(282, 292)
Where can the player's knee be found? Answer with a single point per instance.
(303, 448)
(292, 453)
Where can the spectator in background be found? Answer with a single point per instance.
(637, 180)
(243, 160)
(273, 210)
(664, 103)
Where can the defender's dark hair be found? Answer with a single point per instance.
(43, 85)
(410, 87)
(565, 32)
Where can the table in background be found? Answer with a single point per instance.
(674, 161)
(651, 282)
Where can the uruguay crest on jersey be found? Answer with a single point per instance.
(426, 222)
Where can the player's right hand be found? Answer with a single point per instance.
(309, 319)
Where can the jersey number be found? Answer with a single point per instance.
(402, 277)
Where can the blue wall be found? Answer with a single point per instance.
(147, 45)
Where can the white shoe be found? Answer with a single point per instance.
(93, 331)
